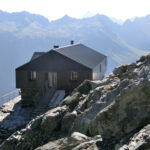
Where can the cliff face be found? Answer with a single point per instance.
(113, 113)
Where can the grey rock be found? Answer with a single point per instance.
(139, 141)
(72, 101)
(13, 117)
(128, 112)
(51, 120)
(67, 121)
(67, 143)
(37, 131)
(90, 145)
(120, 70)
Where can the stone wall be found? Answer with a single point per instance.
(29, 97)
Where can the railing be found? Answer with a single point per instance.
(7, 97)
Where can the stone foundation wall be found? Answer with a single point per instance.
(29, 97)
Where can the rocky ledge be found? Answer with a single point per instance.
(111, 114)
(13, 117)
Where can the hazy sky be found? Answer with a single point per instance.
(54, 9)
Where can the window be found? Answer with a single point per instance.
(100, 68)
(32, 75)
(74, 75)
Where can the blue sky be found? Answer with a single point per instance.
(54, 9)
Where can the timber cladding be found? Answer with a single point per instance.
(64, 81)
(52, 62)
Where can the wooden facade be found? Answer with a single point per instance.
(55, 68)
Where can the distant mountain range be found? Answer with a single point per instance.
(23, 33)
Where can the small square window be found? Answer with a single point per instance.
(32, 76)
(73, 75)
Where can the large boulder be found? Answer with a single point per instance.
(72, 100)
(76, 141)
(130, 111)
(67, 121)
(79, 94)
(85, 87)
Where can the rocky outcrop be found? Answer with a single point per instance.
(109, 114)
(129, 111)
(13, 117)
(139, 141)
(76, 141)
(38, 131)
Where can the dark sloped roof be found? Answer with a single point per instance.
(76, 52)
(36, 55)
(53, 61)
(82, 54)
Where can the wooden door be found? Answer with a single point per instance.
(52, 79)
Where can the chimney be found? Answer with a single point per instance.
(56, 46)
(71, 42)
